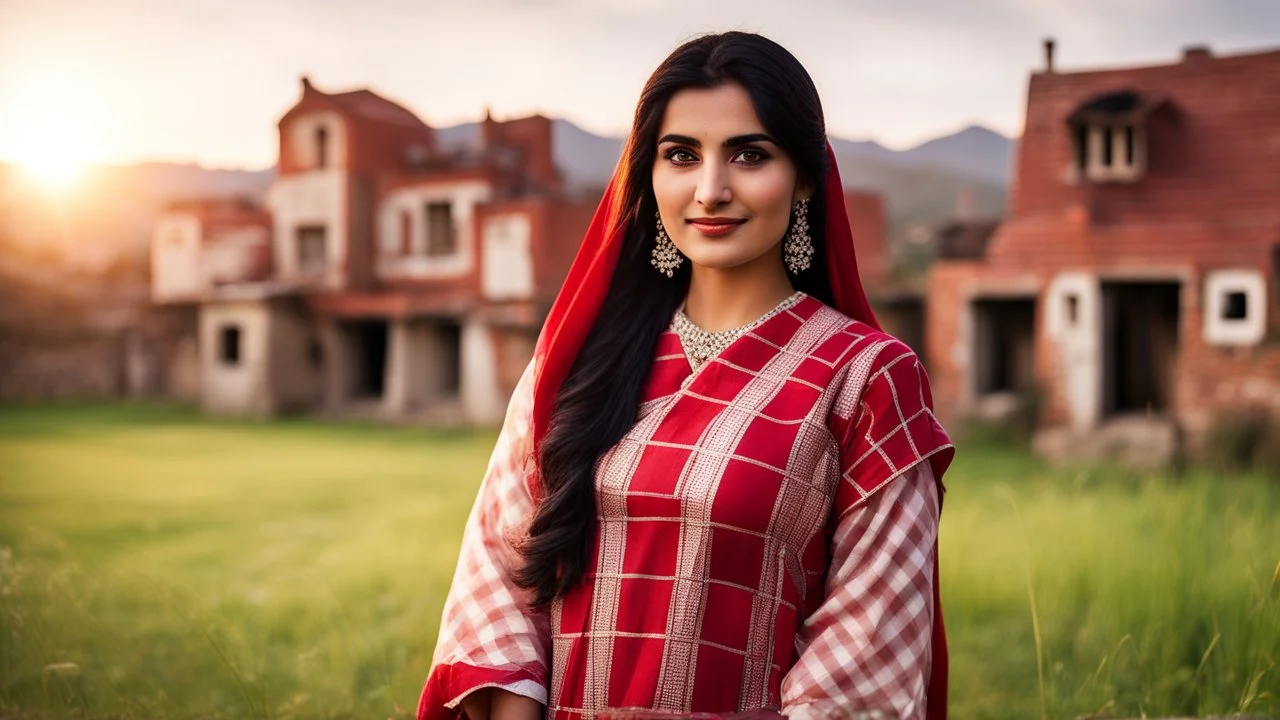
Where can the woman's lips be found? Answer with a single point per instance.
(715, 228)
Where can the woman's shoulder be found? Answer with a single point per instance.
(848, 341)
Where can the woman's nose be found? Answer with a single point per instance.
(713, 186)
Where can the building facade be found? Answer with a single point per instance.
(1132, 293)
(389, 275)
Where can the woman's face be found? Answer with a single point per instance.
(725, 189)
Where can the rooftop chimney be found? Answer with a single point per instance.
(1196, 52)
(1048, 54)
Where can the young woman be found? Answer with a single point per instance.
(718, 484)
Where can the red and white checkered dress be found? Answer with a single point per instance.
(766, 540)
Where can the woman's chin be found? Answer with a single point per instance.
(722, 261)
(720, 255)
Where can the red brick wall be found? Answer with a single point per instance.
(1208, 380)
(533, 136)
(311, 101)
(1208, 201)
(389, 182)
(377, 131)
(953, 286)
(1213, 153)
(567, 224)
(942, 335)
(1213, 381)
(513, 348)
(867, 222)
(220, 218)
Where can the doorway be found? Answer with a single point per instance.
(367, 340)
(1139, 346)
(1004, 345)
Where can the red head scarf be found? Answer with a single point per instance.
(583, 293)
(584, 290)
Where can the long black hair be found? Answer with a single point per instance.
(597, 403)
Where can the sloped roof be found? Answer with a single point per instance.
(1115, 105)
(369, 104)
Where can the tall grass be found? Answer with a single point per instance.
(153, 563)
(1153, 595)
(160, 565)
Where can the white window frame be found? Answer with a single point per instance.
(1243, 332)
(1120, 169)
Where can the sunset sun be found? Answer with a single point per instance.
(51, 131)
(52, 165)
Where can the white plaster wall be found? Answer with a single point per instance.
(175, 257)
(300, 139)
(337, 365)
(482, 399)
(243, 388)
(297, 381)
(1078, 344)
(507, 273)
(463, 196)
(183, 371)
(398, 392)
(311, 198)
(1247, 331)
(416, 366)
(232, 255)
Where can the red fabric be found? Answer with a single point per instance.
(842, 261)
(583, 294)
(712, 551)
(767, 536)
(577, 304)
(882, 421)
(448, 684)
(585, 287)
(488, 636)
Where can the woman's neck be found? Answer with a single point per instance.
(721, 299)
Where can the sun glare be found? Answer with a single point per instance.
(50, 131)
(52, 169)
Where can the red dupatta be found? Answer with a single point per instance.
(583, 293)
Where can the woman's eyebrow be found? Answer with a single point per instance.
(737, 140)
(734, 141)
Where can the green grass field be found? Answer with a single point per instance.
(157, 564)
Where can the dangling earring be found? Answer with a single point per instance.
(665, 255)
(797, 251)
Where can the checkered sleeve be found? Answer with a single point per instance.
(865, 651)
(488, 635)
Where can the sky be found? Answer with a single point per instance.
(206, 80)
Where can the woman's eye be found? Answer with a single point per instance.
(680, 155)
(752, 156)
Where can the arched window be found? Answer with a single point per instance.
(1109, 137)
(322, 147)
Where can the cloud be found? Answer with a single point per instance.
(206, 79)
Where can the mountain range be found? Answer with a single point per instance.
(964, 172)
(920, 184)
(113, 215)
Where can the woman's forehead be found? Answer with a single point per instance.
(711, 114)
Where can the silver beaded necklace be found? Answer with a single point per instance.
(701, 345)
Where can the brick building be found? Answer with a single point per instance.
(390, 274)
(1134, 289)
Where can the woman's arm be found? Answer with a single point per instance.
(874, 647)
(498, 704)
(867, 647)
(489, 637)
(477, 704)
